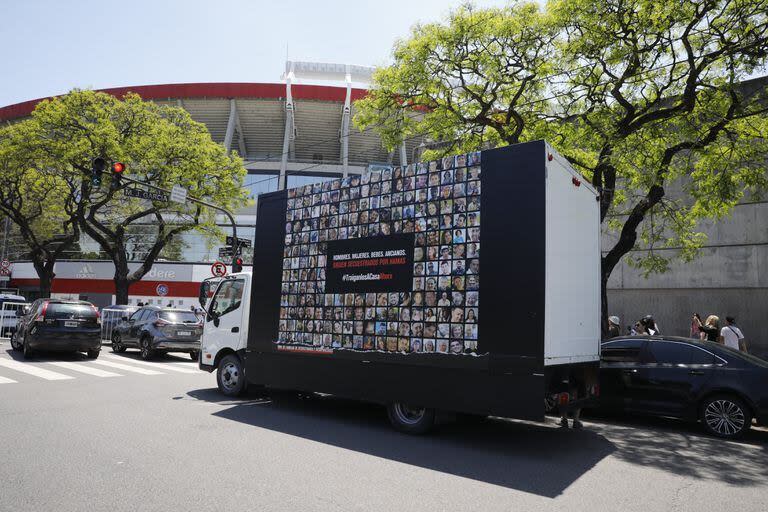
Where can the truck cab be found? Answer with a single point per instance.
(225, 329)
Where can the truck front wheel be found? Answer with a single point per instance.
(230, 375)
(409, 419)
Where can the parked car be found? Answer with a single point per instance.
(152, 329)
(720, 387)
(8, 318)
(58, 325)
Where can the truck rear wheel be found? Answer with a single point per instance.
(409, 419)
(230, 376)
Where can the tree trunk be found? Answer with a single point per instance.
(604, 275)
(121, 289)
(45, 274)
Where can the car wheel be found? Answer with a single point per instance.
(725, 416)
(194, 355)
(93, 354)
(230, 376)
(410, 419)
(26, 349)
(15, 345)
(145, 347)
(117, 345)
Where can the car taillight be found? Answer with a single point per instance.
(563, 398)
(98, 315)
(160, 322)
(41, 318)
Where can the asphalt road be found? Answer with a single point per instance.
(168, 441)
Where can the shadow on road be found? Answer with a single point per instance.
(683, 449)
(44, 356)
(539, 459)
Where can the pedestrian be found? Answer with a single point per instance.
(731, 335)
(650, 325)
(711, 327)
(696, 332)
(614, 324)
(638, 329)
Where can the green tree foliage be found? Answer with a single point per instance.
(160, 145)
(639, 95)
(36, 199)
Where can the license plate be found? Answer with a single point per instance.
(185, 333)
(71, 324)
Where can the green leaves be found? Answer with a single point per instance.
(646, 98)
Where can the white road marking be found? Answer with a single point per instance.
(82, 368)
(31, 369)
(128, 368)
(162, 366)
(3, 380)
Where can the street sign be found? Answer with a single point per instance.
(225, 252)
(178, 194)
(145, 194)
(242, 242)
(5, 268)
(162, 290)
(219, 269)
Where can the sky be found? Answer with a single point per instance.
(48, 47)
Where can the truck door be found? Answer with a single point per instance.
(224, 321)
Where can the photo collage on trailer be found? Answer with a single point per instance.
(437, 201)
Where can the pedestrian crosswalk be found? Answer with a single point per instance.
(14, 370)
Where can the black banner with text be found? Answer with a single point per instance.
(378, 264)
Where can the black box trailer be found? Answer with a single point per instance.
(468, 284)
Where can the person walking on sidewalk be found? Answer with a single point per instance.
(732, 336)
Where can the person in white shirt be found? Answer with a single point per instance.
(731, 335)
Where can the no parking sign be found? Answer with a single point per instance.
(219, 269)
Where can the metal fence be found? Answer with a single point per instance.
(109, 319)
(8, 318)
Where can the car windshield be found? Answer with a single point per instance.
(69, 311)
(179, 317)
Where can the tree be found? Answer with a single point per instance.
(36, 199)
(159, 145)
(639, 95)
(659, 100)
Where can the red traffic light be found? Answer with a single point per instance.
(118, 167)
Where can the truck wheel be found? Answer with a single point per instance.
(410, 419)
(194, 355)
(725, 416)
(145, 347)
(230, 376)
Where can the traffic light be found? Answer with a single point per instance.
(237, 264)
(117, 172)
(97, 167)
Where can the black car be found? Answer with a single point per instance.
(58, 325)
(153, 329)
(695, 380)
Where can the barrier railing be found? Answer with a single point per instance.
(109, 320)
(8, 318)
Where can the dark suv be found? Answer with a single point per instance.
(152, 329)
(58, 325)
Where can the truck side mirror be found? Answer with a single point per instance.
(205, 288)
